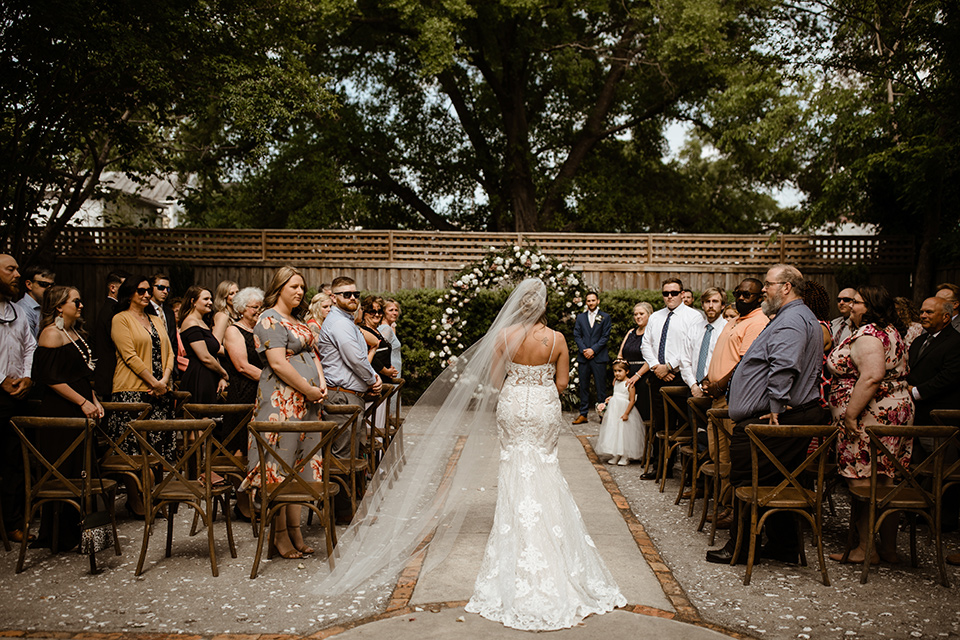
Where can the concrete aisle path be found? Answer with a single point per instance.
(657, 605)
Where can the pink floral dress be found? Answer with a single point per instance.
(279, 402)
(890, 405)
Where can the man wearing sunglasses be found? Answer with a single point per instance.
(160, 291)
(17, 344)
(840, 327)
(349, 374)
(668, 333)
(735, 338)
(36, 280)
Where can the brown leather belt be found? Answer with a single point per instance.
(343, 390)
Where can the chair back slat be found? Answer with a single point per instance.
(912, 480)
(244, 414)
(291, 473)
(179, 470)
(50, 470)
(826, 435)
(135, 411)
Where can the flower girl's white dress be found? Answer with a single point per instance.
(618, 437)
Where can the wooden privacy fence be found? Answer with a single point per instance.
(390, 260)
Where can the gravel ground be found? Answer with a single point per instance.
(788, 601)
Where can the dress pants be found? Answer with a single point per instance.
(341, 445)
(656, 411)
(11, 459)
(780, 527)
(598, 371)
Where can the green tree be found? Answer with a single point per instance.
(506, 114)
(137, 86)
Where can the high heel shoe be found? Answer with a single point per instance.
(304, 548)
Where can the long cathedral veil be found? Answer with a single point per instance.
(417, 499)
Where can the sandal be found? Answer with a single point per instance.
(305, 549)
(293, 554)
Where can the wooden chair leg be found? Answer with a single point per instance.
(751, 554)
(684, 466)
(707, 491)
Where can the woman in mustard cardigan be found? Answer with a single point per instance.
(145, 362)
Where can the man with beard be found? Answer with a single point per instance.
(17, 345)
(734, 340)
(776, 382)
(348, 372)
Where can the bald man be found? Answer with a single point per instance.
(934, 377)
(840, 328)
(951, 293)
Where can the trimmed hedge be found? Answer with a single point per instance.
(420, 310)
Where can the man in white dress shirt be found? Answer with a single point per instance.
(667, 337)
(840, 328)
(17, 345)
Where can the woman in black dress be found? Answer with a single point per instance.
(370, 314)
(630, 351)
(63, 367)
(205, 378)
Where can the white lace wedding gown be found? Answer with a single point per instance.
(540, 571)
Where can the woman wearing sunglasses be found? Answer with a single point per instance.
(144, 365)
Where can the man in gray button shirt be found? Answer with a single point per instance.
(776, 382)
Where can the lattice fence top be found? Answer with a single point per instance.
(452, 249)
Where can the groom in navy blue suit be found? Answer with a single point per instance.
(591, 332)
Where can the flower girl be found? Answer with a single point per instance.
(621, 432)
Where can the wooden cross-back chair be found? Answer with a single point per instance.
(292, 488)
(349, 472)
(713, 472)
(949, 417)
(919, 491)
(117, 460)
(674, 400)
(691, 456)
(51, 485)
(180, 483)
(379, 437)
(225, 462)
(790, 494)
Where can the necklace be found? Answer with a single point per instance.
(85, 353)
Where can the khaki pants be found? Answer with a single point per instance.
(724, 453)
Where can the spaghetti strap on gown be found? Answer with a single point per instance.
(541, 570)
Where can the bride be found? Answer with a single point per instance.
(540, 570)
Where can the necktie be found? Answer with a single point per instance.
(662, 352)
(592, 317)
(923, 347)
(704, 349)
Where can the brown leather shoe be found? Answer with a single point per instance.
(686, 494)
(724, 513)
(954, 559)
(17, 536)
(725, 522)
(580, 420)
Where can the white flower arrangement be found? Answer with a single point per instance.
(498, 268)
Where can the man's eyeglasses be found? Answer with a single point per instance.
(347, 294)
(142, 291)
(43, 284)
(767, 285)
(743, 294)
(670, 294)
(161, 287)
(13, 308)
(847, 300)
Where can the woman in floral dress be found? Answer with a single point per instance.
(292, 387)
(869, 387)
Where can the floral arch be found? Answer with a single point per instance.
(497, 269)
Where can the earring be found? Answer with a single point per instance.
(58, 322)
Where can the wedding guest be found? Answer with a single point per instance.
(388, 329)
(223, 308)
(63, 366)
(17, 346)
(869, 387)
(908, 318)
(371, 312)
(730, 312)
(320, 306)
(142, 373)
(630, 351)
(292, 373)
(343, 353)
(158, 307)
(35, 279)
(103, 348)
(205, 378)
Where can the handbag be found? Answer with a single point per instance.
(96, 529)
